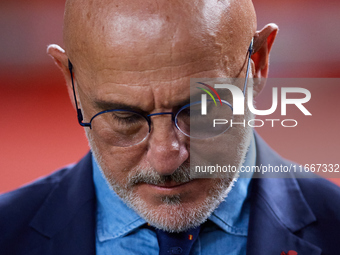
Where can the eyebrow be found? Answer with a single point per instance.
(104, 105)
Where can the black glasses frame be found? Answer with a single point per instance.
(173, 116)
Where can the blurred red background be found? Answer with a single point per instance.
(38, 128)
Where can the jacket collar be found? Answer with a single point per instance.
(69, 208)
(77, 186)
(278, 210)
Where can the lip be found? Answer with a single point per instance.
(170, 186)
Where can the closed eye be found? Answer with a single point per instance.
(126, 117)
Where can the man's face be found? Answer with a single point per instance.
(147, 66)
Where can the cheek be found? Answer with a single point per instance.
(117, 162)
(223, 150)
(222, 155)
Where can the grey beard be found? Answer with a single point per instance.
(171, 216)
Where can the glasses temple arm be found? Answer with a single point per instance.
(250, 52)
(79, 114)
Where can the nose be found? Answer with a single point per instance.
(167, 146)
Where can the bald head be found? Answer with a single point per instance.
(157, 33)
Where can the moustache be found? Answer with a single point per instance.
(150, 176)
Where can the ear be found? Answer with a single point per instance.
(263, 42)
(61, 60)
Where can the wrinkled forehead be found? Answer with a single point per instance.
(154, 31)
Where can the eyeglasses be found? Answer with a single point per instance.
(124, 128)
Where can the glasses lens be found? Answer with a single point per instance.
(120, 127)
(216, 121)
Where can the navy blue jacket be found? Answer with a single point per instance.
(56, 214)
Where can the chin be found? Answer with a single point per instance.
(173, 215)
